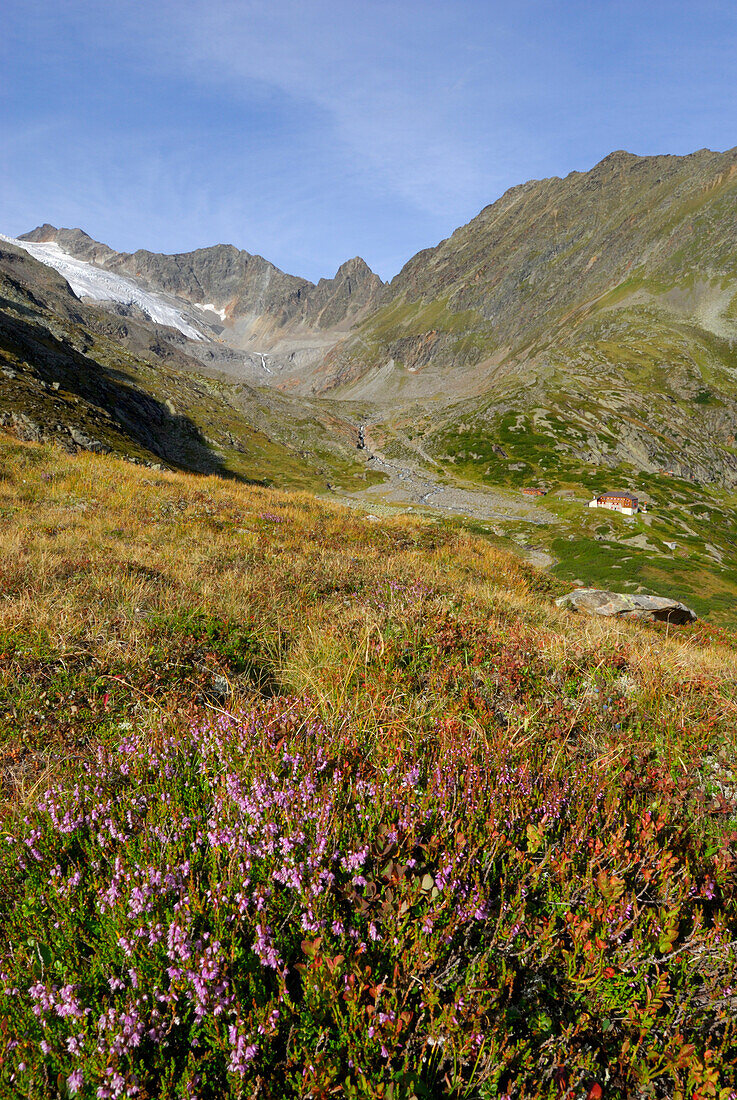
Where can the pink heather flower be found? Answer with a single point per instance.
(75, 1080)
(264, 948)
(69, 1005)
(354, 860)
(242, 1052)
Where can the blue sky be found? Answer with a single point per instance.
(314, 130)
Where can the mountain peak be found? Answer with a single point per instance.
(356, 266)
(617, 157)
(42, 234)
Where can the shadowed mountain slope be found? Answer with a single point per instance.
(83, 377)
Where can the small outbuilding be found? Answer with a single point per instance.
(617, 502)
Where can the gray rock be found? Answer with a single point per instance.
(26, 429)
(596, 601)
(221, 687)
(87, 443)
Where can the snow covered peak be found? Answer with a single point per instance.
(88, 281)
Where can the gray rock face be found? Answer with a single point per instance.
(596, 601)
(570, 239)
(74, 241)
(26, 429)
(354, 289)
(233, 280)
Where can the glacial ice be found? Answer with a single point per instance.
(88, 281)
(211, 308)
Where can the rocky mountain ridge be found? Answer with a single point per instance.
(85, 377)
(576, 323)
(253, 297)
(594, 313)
(530, 266)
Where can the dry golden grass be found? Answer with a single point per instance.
(105, 564)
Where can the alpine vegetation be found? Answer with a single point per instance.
(304, 806)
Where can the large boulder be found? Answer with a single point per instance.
(87, 443)
(596, 601)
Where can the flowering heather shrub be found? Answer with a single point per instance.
(395, 595)
(497, 865)
(269, 906)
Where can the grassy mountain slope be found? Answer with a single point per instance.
(520, 270)
(341, 807)
(605, 297)
(684, 547)
(578, 335)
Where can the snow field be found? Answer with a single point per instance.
(88, 281)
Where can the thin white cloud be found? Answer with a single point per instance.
(376, 72)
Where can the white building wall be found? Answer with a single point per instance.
(611, 507)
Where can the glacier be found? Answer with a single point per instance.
(88, 281)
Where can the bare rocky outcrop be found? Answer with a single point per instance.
(351, 293)
(619, 605)
(551, 245)
(74, 241)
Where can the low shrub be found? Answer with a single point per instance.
(269, 905)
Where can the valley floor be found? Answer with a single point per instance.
(416, 486)
(684, 547)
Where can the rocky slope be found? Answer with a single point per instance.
(86, 378)
(595, 314)
(257, 303)
(522, 271)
